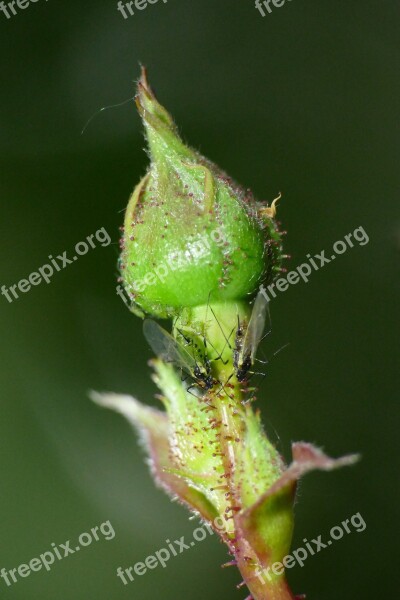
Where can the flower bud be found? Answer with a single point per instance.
(190, 232)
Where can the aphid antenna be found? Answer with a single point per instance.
(207, 342)
(227, 343)
(219, 356)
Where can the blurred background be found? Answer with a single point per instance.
(302, 101)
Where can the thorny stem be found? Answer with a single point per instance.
(229, 410)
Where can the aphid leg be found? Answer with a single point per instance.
(191, 386)
(263, 362)
(266, 361)
(253, 390)
(186, 375)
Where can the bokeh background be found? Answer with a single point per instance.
(302, 101)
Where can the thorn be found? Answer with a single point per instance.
(232, 563)
(232, 508)
(240, 585)
(270, 211)
(233, 540)
(208, 408)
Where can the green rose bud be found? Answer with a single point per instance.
(190, 232)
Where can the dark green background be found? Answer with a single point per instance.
(303, 101)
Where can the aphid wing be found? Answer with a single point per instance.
(165, 346)
(256, 326)
(157, 338)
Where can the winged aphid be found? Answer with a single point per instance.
(248, 338)
(170, 350)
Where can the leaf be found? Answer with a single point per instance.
(267, 525)
(306, 458)
(154, 430)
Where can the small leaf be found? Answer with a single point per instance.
(268, 524)
(153, 427)
(306, 458)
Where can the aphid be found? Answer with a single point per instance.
(248, 338)
(169, 350)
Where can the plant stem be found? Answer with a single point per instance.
(231, 417)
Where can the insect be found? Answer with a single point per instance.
(169, 350)
(248, 338)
